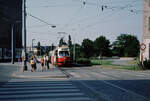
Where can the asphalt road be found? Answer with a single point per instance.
(110, 84)
(83, 84)
(37, 89)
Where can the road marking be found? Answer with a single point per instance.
(41, 91)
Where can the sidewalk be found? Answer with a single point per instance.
(53, 72)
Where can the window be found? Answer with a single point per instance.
(64, 53)
(55, 53)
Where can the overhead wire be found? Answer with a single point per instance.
(117, 8)
(114, 8)
(70, 21)
(41, 20)
(73, 17)
(109, 15)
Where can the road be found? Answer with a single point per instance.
(112, 85)
(37, 89)
(6, 70)
(83, 84)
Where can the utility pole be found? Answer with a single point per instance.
(74, 52)
(12, 43)
(24, 32)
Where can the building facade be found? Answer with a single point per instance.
(10, 18)
(146, 29)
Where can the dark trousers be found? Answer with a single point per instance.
(47, 63)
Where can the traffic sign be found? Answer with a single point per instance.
(142, 46)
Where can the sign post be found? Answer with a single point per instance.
(142, 47)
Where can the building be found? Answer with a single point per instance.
(10, 17)
(146, 29)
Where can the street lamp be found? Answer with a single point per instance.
(32, 43)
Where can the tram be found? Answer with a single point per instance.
(60, 56)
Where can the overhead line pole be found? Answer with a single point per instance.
(24, 32)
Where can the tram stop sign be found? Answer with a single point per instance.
(142, 46)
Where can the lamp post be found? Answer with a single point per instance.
(32, 43)
(12, 43)
(74, 52)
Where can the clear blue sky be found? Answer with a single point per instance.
(82, 19)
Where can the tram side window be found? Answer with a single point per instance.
(64, 53)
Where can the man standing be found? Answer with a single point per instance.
(47, 61)
(42, 63)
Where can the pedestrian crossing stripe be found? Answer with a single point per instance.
(41, 91)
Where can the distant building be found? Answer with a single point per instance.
(10, 14)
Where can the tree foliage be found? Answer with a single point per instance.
(62, 42)
(39, 48)
(87, 48)
(76, 48)
(126, 45)
(69, 41)
(102, 46)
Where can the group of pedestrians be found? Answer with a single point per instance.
(44, 63)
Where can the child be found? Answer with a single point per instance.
(32, 65)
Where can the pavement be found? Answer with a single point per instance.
(53, 72)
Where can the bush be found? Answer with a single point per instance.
(145, 64)
(84, 61)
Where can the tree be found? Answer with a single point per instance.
(78, 52)
(87, 48)
(102, 46)
(40, 51)
(62, 42)
(69, 41)
(126, 45)
(38, 48)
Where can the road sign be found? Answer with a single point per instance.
(142, 46)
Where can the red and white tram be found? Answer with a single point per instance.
(60, 56)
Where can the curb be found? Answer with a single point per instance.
(23, 76)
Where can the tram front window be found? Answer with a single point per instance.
(63, 53)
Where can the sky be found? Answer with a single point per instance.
(82, 19)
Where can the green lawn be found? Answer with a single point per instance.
(108, 64)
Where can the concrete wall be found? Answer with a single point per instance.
(146, 27)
